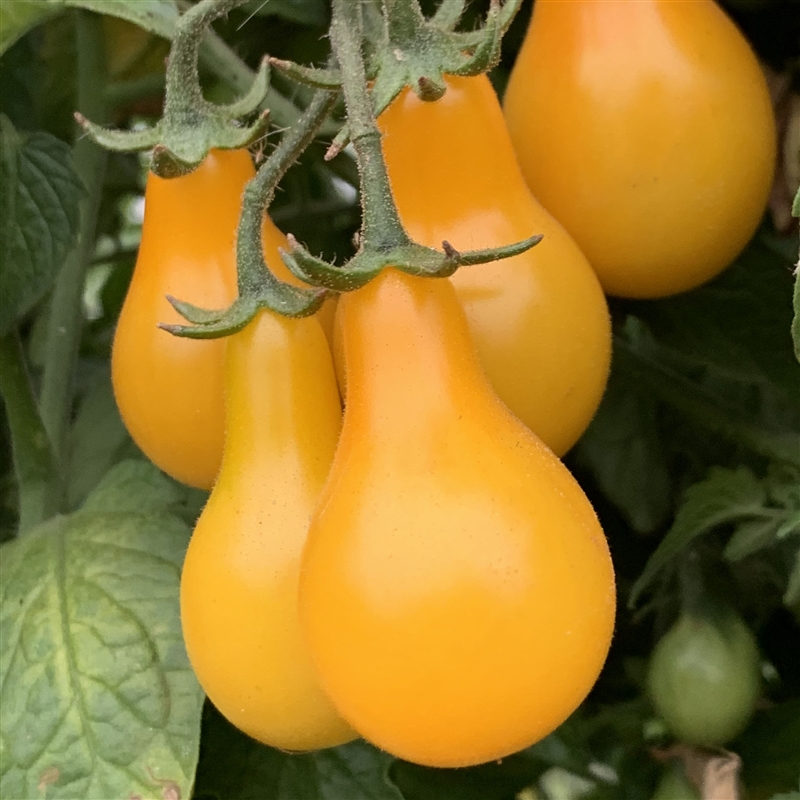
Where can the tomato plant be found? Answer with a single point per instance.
(451, 550)
(456, 602)
(643, 154)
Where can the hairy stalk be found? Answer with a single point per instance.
(381, 228)
(260, 190)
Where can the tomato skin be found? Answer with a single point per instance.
(239, 581)
(646, 129)
(453, 567)
(539, 320)
(170, 390)
(704, 678)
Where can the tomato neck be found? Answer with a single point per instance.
(408, 351)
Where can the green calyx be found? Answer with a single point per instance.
(411, 258)
(384, 241)
(406, 49)
(191, 126)
(258, 287)
(283, 299)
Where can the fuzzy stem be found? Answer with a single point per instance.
(381, 228)
(66, 313)
(34, 467)
(260, 190)
(183, 93)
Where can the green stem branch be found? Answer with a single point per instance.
(66, 313)
(33, 459)
(186, 95)
(381, 228)
(260, 190)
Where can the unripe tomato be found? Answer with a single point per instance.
(646, 129)
(170, 390)
(239, 581)
(456, 589)
(704, 678)
(539, 320)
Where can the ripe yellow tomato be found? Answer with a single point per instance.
(539, 320)
(646, 129)
(456, 589)
(239, 581)
(170, 390)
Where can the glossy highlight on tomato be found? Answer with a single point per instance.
(539, 320)
(456, 589)
(169, 390)
(646, 129)
(239, 582)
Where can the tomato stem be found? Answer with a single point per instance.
(381, 228)
(190, 125)
(258, 287)
(253, 272)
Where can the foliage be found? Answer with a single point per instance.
(98, 696)
(38, 217)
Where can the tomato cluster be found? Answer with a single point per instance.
(425, 572)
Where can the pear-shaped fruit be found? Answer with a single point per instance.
(646, 129)
(456, 590)
(239, 581)
(539, 321)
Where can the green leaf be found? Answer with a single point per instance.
(792, 594)
(497, 780)
(39, 217)
(725, 496)
(134, 487)
(738, 323)
(751, 536)
(789, 526)
(786, 796)
(769, 429)
(623, 450)
(783, 486)
(97, 440)
(156, 16)
(98, 697)
(234, 767)
(19, 16)
(796, 320)
(769, 751)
